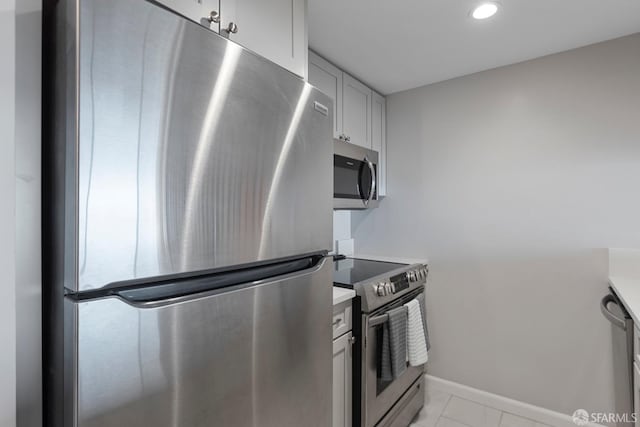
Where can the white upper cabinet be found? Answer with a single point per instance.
(275, 29)
(328, 79)
(356, 111)
(205, 12)
(360, 114)
(379, 138)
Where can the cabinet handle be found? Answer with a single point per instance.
(231, 28)
(337, 321)
(214, 17)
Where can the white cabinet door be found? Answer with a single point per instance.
(275, 29)
(342, 381)
(196, 10)
(328, 79)
(379, 138)
(636, 390)
(356, 112)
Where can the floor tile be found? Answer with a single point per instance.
(447, 422)
(471, 413)
(434, 403)
(510, 420)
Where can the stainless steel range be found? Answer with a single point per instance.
(380, 287)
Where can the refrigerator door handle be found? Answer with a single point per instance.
(193, 289)
(604, 307)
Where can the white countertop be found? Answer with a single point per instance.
(628, 290)
(342, 295)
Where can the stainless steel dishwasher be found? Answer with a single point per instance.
(622, 341)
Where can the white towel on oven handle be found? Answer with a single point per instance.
(416, 342)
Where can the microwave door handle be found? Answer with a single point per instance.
(373, 180)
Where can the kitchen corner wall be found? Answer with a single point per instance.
(512, 182)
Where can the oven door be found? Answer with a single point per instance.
(355, 177)
(379, 396)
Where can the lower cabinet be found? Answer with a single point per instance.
(636, 374)
(342, 380)
(636, 390)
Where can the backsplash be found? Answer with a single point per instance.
(341, 226)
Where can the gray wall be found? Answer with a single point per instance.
(7, 216)
(511, 182)
(20, 273)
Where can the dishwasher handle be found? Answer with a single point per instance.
(604, 306)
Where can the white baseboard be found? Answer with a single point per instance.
(525, 410)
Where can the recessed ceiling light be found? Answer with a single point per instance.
(485, 10)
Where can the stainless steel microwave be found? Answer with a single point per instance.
(355, 176)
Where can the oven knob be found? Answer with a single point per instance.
(412, 276)
(388, 289)
(380, 290)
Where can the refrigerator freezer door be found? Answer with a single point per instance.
(192, 153)
(257, 356)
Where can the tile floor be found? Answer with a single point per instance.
(442, 409)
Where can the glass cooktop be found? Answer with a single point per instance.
(349, 271)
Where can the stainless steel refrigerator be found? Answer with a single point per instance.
(189, 197)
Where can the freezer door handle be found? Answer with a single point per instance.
(604, 306)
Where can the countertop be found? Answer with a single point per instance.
(628, 290)
(342, 295)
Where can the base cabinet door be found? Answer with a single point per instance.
(636, 390)
(342, 381)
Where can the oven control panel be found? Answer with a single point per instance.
(400, 282)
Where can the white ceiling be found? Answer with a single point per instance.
(402, 44)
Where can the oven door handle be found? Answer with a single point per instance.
(381, 318)
(378, 320)
(604, 307)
